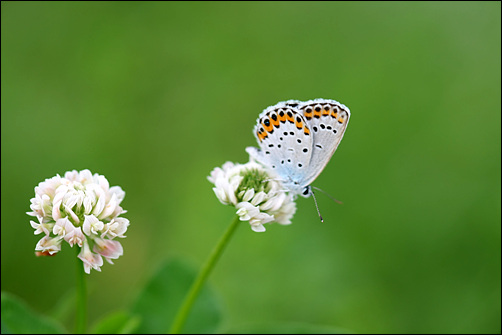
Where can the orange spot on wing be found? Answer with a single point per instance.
(317, 113)
(268, 128)
(275, 123)
(299, 125)
(261, 136)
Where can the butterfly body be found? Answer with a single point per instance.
(297, 139)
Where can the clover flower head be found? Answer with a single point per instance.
(255, 192)
(83, 210)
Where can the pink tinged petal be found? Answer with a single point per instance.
(71, 175)
(102, 182)
(117, 190)
(57, 201)
(109, 207)
(116, 228)
(63, 227)
(61, 192)
(46, 205)
(56, 211)
(85, 176)
(70, 200)
(91, 260)
(74, 216)
(40, 227)
(108, 248)
(75, 237)
(118, 210)
(87, 204)
(49, 244)
(92, 225)
(101, 202)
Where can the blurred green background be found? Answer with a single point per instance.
(154, 95)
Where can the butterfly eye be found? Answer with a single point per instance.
(306, 191)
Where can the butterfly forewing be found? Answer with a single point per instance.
(327, 120)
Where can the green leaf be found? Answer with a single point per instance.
(18, 318)
(161, 298)
(120, 322)
(288, 328)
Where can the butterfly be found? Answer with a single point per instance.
(297, 140)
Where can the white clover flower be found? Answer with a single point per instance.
(81, 209)
(255, 192)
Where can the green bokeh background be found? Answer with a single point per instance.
(154, 95)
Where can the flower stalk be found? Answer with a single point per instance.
(81, 307)
(194, 290)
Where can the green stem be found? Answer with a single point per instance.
(81, 307)
(192, 294)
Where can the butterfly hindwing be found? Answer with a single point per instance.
(285, 141)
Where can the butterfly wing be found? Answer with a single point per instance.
(285, 140)
(327, 120)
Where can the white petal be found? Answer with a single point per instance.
(248, 195)
(258, 198)
(258, 228)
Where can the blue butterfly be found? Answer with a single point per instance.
(297, 140)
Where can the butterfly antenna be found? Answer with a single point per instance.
(335, 200)
(317, 207)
